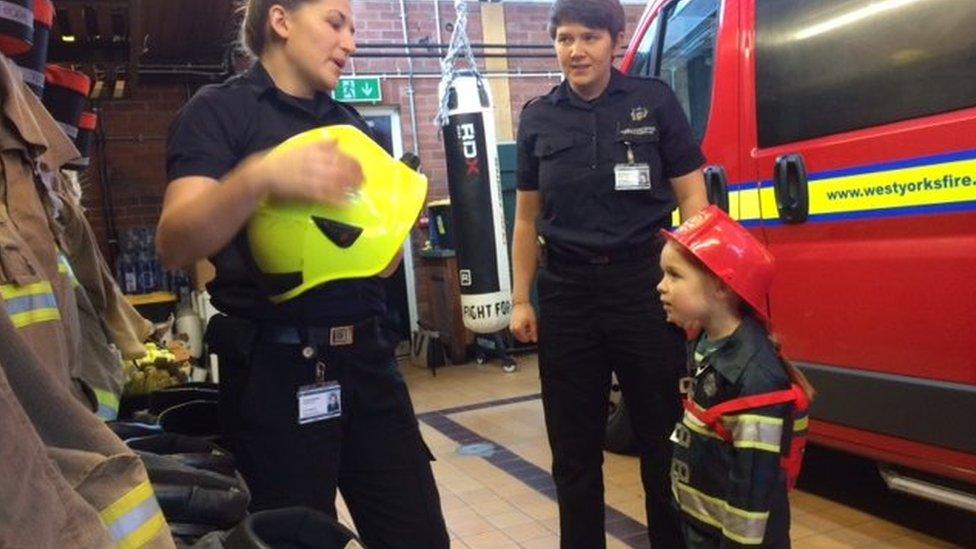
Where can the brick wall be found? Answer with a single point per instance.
(136, 127)
(134, 155)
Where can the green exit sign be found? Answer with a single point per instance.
(359, 90)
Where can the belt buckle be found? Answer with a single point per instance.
(341, 336)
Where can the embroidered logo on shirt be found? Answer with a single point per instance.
(642, 130)
(638, 113)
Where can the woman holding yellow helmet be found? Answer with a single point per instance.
(311, 399)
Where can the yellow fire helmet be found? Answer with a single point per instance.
(298, 246)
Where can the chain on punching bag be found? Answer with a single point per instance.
(473, 177)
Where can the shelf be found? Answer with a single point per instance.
(151, 299)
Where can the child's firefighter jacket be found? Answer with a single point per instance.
(729, 473)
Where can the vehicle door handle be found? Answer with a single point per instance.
(790, 186)
(717, 187)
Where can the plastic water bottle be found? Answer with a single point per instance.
(128, 274)
(146, 266)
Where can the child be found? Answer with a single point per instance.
(734, 458)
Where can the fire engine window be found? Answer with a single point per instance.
(833, 66)
(645, 61)
(688, 55)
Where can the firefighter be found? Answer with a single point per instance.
(734, 458)
(279, 361)
(603, 160)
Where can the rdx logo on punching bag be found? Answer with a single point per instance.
(470, 147)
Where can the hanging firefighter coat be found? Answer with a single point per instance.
(40, 332)
(37, 280)
(94, 462)
(728, 473)
(100, 371)
(67, 520)
(127, 329)
(40, 301)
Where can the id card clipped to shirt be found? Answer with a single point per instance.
(631, 176)
(320, 400)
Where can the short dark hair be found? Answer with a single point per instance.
(596, 14)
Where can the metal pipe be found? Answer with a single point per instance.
(518, 73)
(410, 55)
(202, 74)
(437, 19)
(410, 87)
(433, 74)
(927, 490)
(440, 45)
(138, 138)
(183, 66)
(108, 211)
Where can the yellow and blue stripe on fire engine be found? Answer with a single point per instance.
(918, 186)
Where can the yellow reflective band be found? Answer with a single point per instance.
(754, 431)
(748, 199)
(108, 404)
(801, 424)
(64, 267)
(947, 181)
(745, 527)
(128, 502)
(135, 518)
(921, 186)
(735, 196)
(748, 431)
(10, 291)
(693, 423)
(145, 533)
(22, 320)
(30, 304)
(734, 205)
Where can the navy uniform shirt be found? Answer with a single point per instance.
(221, 126)
(567, 150)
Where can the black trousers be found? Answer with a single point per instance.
(373, 454)
(595, 319)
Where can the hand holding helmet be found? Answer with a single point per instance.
(314, 171)
(298, 243)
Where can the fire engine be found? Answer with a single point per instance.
(843, 132)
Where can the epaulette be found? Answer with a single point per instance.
(531, 101)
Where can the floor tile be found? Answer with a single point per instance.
(528, 531)
(502, 501)
(490, 540)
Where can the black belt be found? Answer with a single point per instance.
(638, 252)
(340, 335)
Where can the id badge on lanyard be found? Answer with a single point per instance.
(631, 176)
(321, 400)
